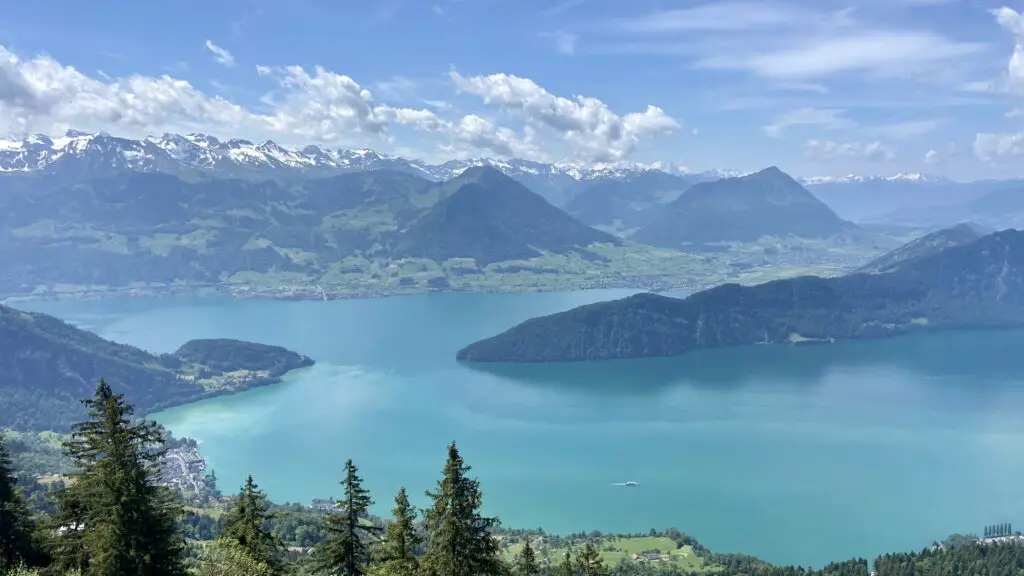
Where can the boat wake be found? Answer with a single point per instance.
(624, 483)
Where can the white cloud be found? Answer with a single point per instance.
(931, 157)
(221, 55)
(594, 132)
(894, 52)
(830, 119)
(827, 150)
(733, 15)
(1013, 22)
(995, 148)
(317, 106)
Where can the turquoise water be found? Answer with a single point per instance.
(797, 455)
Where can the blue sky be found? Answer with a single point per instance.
(818, 88)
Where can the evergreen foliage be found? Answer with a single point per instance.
(16, 527)
(397, 556)
(460, 541)
(346, 551)
(116, 518)
(526, 561)
(246, 526)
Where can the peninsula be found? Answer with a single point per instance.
(47, 365)
(978, 284)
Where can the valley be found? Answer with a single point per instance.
(95, 219)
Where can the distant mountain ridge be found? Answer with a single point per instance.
(81, 155)
(900, 198)
(743, 209)
(959, 235)
(154, 227)
(979, 284)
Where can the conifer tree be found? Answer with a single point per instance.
(460, 541)
(115, 517)
(246, 526)
(566, 567)
(590, 562)
(16, 542)
(398, 550)
(345, 551)
(526, 561)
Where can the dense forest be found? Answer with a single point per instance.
(111, 517)
(976, 285)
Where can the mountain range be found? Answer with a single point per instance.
(138, 228)
(977, 284)
(80, 155)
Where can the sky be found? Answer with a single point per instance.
(815, 87)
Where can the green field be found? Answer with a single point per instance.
(614, 550)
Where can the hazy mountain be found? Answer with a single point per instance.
(79, 156)
(926, 245)
(765, 203)
(877, 198)
(626, 203)
(490, 217)
(138, 227)
(996, 205)
(48, 366)
(980, 284)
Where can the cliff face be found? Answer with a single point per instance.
(975, 285)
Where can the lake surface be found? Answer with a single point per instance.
(796, 455)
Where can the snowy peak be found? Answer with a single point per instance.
(907, 177)
(101, 153)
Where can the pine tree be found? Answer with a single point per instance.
(115, 518)
(460, 541)
(246, 526)
(566, 567)
(590, 562)
(526, 561)
(16, 542)
(398, 550)
(345, 551)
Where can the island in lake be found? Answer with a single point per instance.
(975, 284)
(48, 365)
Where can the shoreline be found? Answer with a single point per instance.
(261, 383)
(308, 293)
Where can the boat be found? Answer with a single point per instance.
(630, 483)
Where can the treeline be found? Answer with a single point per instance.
(113, 519)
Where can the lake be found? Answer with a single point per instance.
(796, 455)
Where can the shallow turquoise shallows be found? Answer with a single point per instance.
(797, 455)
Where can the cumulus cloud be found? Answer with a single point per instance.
(996, 148)
(221, 55)
(827, 118)
(594, 132)
(827, 151)
(315, 106)
(1013, 22)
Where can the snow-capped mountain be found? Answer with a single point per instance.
(78, 155)
(236, 157)
(877, 198)
(909, 177)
